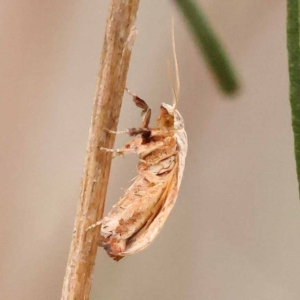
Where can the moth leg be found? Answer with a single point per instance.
(94, 225)
(117, 132)
(131, 131)
(115, 152)
(163, 132)
(129, 148)
(146, 111)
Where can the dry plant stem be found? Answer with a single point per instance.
(119, 37)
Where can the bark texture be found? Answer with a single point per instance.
(119, 38)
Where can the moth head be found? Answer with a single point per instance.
(166, 117)
(169, 118)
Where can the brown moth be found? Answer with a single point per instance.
(138, 217)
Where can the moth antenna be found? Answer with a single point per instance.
(176, 92)
(175, 99)
(94, 225)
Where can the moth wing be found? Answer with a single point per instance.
(153, 226)
(131, 209)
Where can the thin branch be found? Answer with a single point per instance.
(119, 37)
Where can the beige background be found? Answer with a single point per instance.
(235, 231)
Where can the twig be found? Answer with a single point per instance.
(119, 37)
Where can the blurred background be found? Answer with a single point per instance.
(235, 230)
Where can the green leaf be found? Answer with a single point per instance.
(294, 73)
(210, 45)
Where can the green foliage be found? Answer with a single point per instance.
(294, 72)
(210, 45)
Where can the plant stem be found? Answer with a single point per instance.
(119, 37)
(294, 73)
(210, 45)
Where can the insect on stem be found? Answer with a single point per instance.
(137, 218)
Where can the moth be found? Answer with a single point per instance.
(135, 221)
